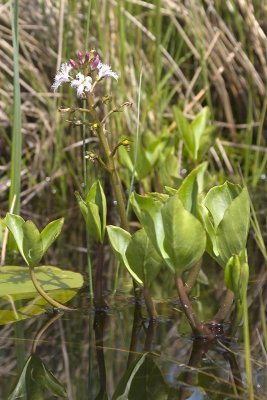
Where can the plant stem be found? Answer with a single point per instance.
(225, 307)
(196, 326)
(42, 293)
(189, 284)
(186, 304)
(149, 304)
(110, 163)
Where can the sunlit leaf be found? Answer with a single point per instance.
(185, 131)
(32, 243)
(17, 307)
(198, 127)
(192, 185)
(148, 211)
(120, 240)
(97, 211)
(219, 199)
(15, 225)
(50, 233)
(16, 280)
(185, 237)
(232, 232)
(143, 258)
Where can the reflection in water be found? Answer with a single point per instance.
(117, 354)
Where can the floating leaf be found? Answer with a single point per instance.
(16, 280)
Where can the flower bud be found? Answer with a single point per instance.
(80, 55)
(95, 62)
(73, 63)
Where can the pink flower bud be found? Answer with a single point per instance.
(73, 63)
(95, 62)
(80, 55)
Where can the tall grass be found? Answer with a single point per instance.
(16, 155)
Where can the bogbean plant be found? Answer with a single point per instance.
(32, 246)
(176, 227)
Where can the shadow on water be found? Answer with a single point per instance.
(116, 353)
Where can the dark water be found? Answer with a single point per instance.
(117, 353)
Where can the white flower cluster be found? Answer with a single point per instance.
(81, 82)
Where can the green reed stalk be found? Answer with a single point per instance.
(16, 152)
(16, 155)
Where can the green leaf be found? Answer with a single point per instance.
(191, 187)
(36, 377)
(97, 211)
(148, 211)
(211, 244)
(20, 388)
(82, 205)
(32, 243)
(51, 383)
(219, 199)
(198, 127)
(185, 131)
(11, 309)
(232, 231)
(124, 386)
(185, 237)
(15, 225)
(142, 380)
(16, 284)
(142, 257)
(50, 233)
(16, 280)
(119, 240)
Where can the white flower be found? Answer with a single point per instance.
(61, 76)
(82, 83)
(105, 70)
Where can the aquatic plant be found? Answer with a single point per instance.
(32, 246)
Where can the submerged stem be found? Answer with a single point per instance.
(42, 293)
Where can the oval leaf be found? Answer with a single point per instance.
(185, 237)
(232, 231)
(14, 223)
(50, 233)
(119, 240)
(142, 257)
(32, 243)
